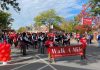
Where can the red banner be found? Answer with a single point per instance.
(65, 51)
(87, 21)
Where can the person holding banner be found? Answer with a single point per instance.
(48, 44)
(83, 41)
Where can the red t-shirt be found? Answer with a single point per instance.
(84, 42)
(49, 43)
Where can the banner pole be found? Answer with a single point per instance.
(82, 21)
(49, 57)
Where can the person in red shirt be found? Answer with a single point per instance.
(49, 42)
(83, 41)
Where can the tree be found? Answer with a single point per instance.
(83, 28)
(5, 20)
(6, 3)
(64, 26)
(48, 18)
(68, 26)
(22, 29)
(57, 27)
(95, 7)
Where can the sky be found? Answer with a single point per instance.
(31, 8)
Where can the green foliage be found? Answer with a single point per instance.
(57, 27)
(94, 1)
(21, 29)
(68, 26)
(77, 19)
(95, 7)
(64, 26)
(6, 3)
(48, 17)
(96, 11)
(5, 20)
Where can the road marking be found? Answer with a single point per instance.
(46, 63)
(42, 67)
(19, 67)
(25, 65)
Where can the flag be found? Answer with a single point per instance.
(87, 21)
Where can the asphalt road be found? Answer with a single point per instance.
(40, 62)
(38, 66)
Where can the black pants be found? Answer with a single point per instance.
(35, 44)
(64, 43)
(15, 43)
(23, 48)
(84, 54)
(41, 47)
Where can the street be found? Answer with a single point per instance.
(35, 61)
(49, 34)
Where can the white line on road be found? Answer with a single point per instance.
(40, 59)
(42, 67)
(19, 67)
(46, 63)
(25, 65)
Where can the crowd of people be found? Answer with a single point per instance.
(41, 41)
(36, 40)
